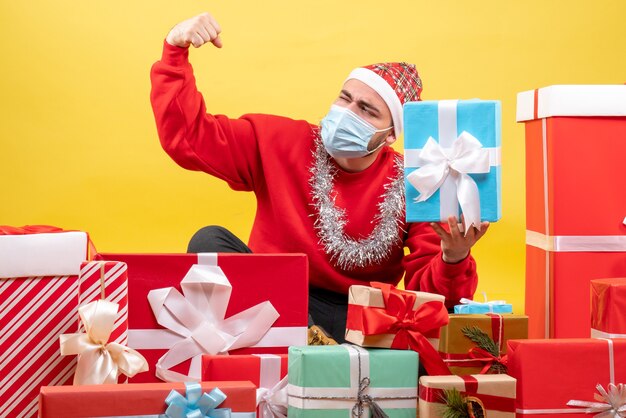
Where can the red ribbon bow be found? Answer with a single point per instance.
(408, 325)
(489, 359)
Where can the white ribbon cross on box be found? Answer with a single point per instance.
(440, 165)
(271, 396)
(197, 316)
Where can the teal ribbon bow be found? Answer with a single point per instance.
(196, 404)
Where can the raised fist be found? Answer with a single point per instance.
(196, 31)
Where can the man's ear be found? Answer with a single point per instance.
(391, 138)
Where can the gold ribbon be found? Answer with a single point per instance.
(102, 283)
(99, 362)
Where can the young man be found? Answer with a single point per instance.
(334, 191)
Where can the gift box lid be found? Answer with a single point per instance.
(571, 100)
(433, 118)
(42, 254)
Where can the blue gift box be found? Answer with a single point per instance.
(441, 128)
(484, 308)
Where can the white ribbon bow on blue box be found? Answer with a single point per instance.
(452, 160)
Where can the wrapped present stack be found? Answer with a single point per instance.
(575, 252)
(574, 214)
(452, 168)
(39, 283)
(477, 343)
(175, 335)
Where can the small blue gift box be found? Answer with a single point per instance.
(471, 307)
(452, 160)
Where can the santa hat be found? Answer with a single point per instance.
(396, 82)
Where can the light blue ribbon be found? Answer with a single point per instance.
(196, 404)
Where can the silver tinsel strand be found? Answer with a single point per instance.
(345, 252)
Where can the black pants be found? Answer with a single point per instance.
(326, 309)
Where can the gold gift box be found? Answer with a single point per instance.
(454, 346)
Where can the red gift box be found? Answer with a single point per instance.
(134, 399)
(608, 302)
(574, 216)
(266, 371)
(281, 279)
(550, 373)
(35, 310)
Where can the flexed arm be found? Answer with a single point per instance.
(223, 147)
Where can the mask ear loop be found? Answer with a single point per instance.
(381, 144)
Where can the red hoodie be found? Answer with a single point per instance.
(272, 157)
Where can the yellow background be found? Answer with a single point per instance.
(78, 145)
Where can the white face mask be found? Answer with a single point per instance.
(346, 135)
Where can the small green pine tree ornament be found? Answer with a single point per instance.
(482, 340)
(455, 405)
(459, 406)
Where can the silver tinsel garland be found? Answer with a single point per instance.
(346, 252)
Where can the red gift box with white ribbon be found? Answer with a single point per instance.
(39, 268)
(575, 204)
(562, 377)
(268, 372)
(184, 305)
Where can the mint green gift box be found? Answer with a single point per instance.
(324, 381)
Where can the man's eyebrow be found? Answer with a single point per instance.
(361, 102)
(346, 93)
